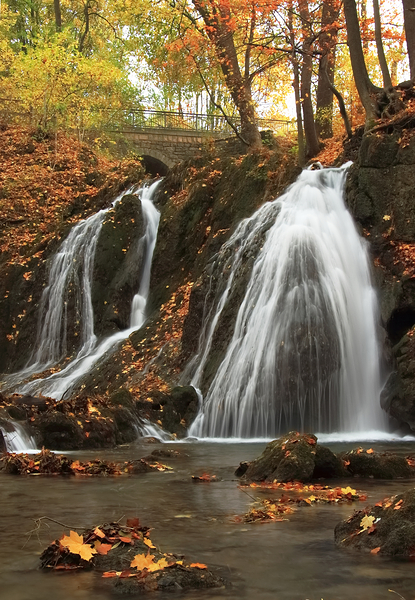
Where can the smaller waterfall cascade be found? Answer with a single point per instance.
(304, 352)
(74, 262)
(18, 440)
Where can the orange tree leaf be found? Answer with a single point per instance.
(75, 544)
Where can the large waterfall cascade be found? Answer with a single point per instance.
(74, 263)
(304, 351)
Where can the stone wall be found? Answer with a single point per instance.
(168, 147)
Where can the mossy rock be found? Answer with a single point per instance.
(125, 430)
(388, 528)
(122, 398)
(377, 465)
(117, 265)
(58, 431)
(289, 458)
(327, 464)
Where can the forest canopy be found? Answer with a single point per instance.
(78, 64)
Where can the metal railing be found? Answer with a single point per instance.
(138, 119)
(131, 119)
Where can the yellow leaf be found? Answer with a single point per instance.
(349, 490)
(159, 565)
(148, 543)
(75, 544)
(367, 522)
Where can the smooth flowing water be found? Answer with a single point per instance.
(74, 264)
(289, 560)
(17, 439)
(304, 352)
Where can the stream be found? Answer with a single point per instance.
(291, 560)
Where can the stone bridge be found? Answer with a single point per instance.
(166, 138)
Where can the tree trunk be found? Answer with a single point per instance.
(387, 83)
(296, 86)
(312, 143)
(342, 106)
(364, 86)
(217, 19)
(58, 14)
(327, 42)
(409, 21)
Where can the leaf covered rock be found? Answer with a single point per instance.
(386, 528)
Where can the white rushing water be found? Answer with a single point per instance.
(304, 351)
(18, 440)
(74, 264)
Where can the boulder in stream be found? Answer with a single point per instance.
(292, 457)
(386, 528)
(298, 457)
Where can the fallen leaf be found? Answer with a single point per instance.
(375, 550)
(142, 561)
(99, 532)
(111, 574)
(75, 544)
(370, 451)
(103, 549)
(366, 522)
(198, 565)
(148, 543)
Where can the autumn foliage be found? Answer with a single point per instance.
(47, 183)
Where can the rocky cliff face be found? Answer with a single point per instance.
(380, 193)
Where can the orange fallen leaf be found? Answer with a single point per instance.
(103, 549)
(99, 532)
(111, 574)
(370, 451)
(142, 561)
(375, 550)
(75, 544)
(198, 565)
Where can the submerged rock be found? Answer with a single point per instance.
(386, 528)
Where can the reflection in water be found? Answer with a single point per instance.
(291, 560)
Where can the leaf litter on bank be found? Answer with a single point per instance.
(49, 463)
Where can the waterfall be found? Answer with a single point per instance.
(18, 440)
(74, 264)
(304, 352)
